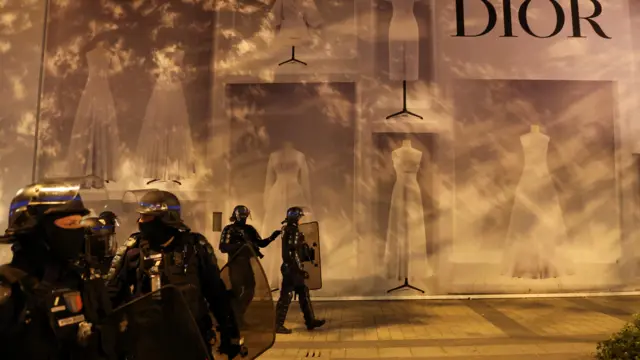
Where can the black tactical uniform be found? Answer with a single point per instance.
(233, 239)
(166, 252)
(294, 252)
(52, 303)
(101, 243)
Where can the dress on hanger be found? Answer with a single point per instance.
(405, 254)
(287, 185)
(404, 42)
(165, 146)
(537, 226)
(94, 142)
(295, 18)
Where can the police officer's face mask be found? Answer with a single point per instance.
(154, 230)
(65, 236)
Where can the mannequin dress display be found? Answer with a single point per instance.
(404, 49)
(294, 22)
(165, 146)
(537, 227)
(286, 185)
(94, 143)
(405, 255)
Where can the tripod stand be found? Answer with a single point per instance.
(404, 110)
(293, 59)
(403, 286)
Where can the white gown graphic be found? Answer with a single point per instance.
(94, 142)
(165, 146)
(287, 185)
(537, 225)
(404, 42)
(405, 254)
(295, 18)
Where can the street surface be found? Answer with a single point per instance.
(553, 329)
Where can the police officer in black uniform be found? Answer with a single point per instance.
(166, 252)
(52, 303)
(233, 239)
(294, 252)
(101, 243)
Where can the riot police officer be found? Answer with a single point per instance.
(294, 252)
(52, 303)
(233, 239)
(166, 252)
(101, 243)
(110, 223)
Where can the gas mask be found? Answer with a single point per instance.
(155, 231)
(65, 244)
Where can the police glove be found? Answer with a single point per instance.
(231, 347)
(275, 234)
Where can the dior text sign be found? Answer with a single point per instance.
(583, 16)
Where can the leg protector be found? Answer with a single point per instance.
(282, 307)
(305, 304)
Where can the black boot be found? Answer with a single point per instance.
(307, 310)
(283, 330)
(282, 307)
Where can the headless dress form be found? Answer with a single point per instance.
(405, 255)
(94, 143)
(165, 146)
(404, 50)
(286, 185)
(295, 18)
(537, 225)
(404, 42)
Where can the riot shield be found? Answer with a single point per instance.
(311, 233)
(158, 326)
(251, 300)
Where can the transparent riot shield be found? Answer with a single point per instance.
(158, 326)
(311, 233)
(251, 300)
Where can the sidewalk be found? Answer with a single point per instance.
(562, 329)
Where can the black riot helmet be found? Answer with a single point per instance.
(37, 202)
(164, 206)
(101, 237)
(294, 214)
(109, 219)
(240, 213)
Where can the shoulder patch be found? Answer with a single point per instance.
(131, 242)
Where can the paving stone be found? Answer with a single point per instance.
(525, 329)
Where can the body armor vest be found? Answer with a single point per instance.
(177, 266)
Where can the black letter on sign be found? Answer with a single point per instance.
(524, 22)
(575, 17)
(493, 19)
(508, 23)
